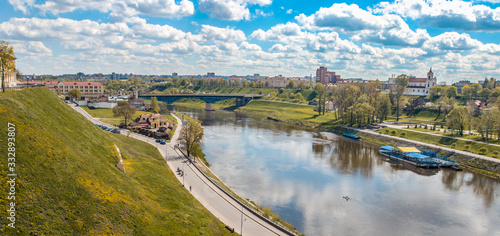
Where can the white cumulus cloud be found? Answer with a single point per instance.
(117, 8)
(457, 14)
(22, 5)
(363, 25)
(230, 9)
(211, 33)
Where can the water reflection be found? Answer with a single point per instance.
(303, 175)
(347, 156)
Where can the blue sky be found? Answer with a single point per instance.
(357, 39)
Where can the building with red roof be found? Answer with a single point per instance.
(418, 86)
(63, 87)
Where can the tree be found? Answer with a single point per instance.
(75, 93)
(124, 109)
(401, 83)
(384, 108)
(192, 134)
(299, 98)
(491, 83)
(484, 93)
(154, 105)
(435, 92)
(488, 123)
(447, 105)
(451, 91)
(320, 95)
(7, 61)
(302, 85)
(290, 85)
(415, 105)
(458, 119)
(495, 92)
(471, 91)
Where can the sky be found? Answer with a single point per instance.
(356, 39)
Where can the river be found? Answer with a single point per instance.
(304, 176)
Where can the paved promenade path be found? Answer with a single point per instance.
(404, 127)
(230, 211)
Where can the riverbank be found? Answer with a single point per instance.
(306, 118)
(289, 113)
(481, 166)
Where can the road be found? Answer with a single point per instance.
(223, 206)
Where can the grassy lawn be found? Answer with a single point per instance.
(446, 142)
(424, 116)
(197, 104)
(68, 184)
(454, 134)
(292, 113)
(106, 115)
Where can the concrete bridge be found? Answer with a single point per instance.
(241, 99)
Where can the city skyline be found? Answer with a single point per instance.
(369, 39)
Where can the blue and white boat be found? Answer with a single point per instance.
(351, 135)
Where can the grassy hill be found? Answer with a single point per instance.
(68, 184)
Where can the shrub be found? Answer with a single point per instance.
(403, 134)
(408, 126)
(415, 126)
(495, 153)
(394, 132)
(483, 150)
(453, 145)
(466, 147)
(266, 211)
(387, 131)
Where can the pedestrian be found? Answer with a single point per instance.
(189, 188)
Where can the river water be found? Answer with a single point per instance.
(304, 176)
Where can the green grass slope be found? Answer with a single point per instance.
(68, 184)
(292, 113)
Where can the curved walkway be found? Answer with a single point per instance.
(222, 205)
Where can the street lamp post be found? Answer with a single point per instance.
(183, 163)
(242, 220)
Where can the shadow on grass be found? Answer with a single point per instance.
(312, 117)
(447, 141)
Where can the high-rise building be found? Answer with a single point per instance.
(326, 77)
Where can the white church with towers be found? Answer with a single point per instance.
(418, 86)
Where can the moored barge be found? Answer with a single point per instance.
(416, 157)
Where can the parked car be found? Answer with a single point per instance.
(116, 131)
(158, 140)
(163, 142)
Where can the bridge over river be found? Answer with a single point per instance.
(241, 99)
